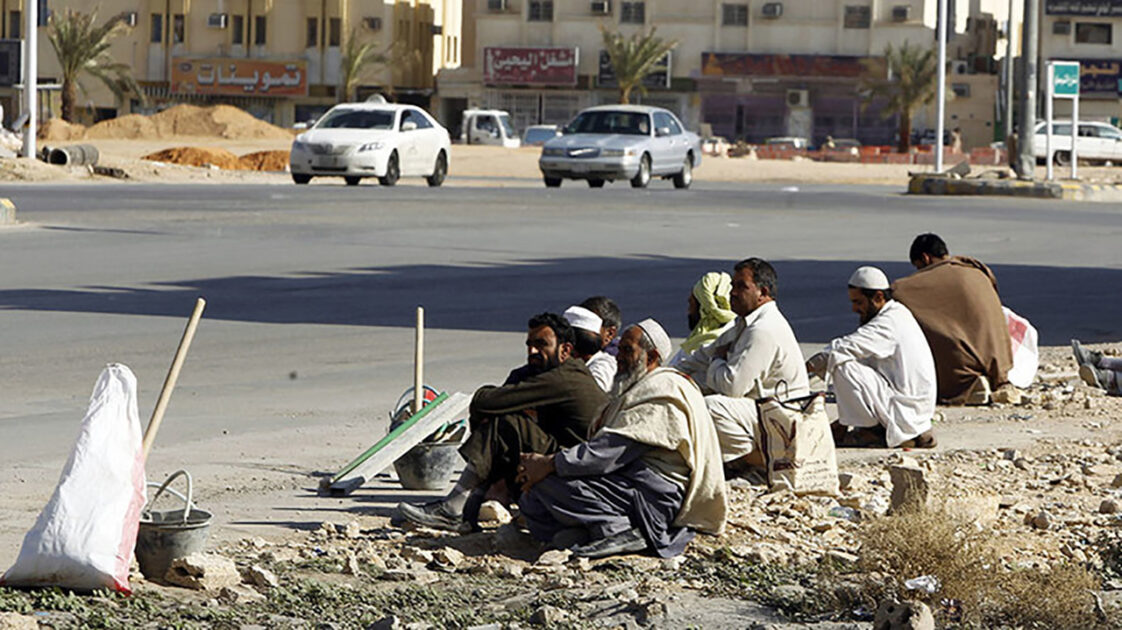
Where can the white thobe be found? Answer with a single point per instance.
(603, 368)
(763, 360)
(884, 374)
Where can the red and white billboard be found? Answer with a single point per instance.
(529, 66)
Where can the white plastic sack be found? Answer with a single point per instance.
(84, 538)
(1026, 355)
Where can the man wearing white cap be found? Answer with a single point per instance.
(649, 475)
(589, 346)
(883, 373)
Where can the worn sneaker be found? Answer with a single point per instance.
(434, 515)
(630, 541)
(1084, 356)
(569, 537)
(923, 440)
(1095, 377)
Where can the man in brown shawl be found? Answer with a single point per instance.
(955, 301)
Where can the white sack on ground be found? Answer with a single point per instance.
(84, 538)
(1026, 354)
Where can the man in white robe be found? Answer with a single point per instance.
(755, 358)
(589, 345)
(883, 373)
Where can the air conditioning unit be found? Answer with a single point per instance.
(130, 18)
(773, 10)
(497, 5)
(601, 7)
(217, 20)
(901, 13)
(798, 98)
(1061, 27)
(372, 23)
(959, 66)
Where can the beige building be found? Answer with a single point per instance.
(749, 68)
(1090, 32)
(278, 59)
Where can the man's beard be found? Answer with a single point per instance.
(626, 380)
(693, 319)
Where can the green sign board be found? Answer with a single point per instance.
(1065, 79)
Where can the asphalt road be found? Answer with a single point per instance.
(312, 290)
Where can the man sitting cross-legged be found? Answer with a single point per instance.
(649, 476)
(543, 413)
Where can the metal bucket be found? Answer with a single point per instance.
(428, 466)
(170, 534)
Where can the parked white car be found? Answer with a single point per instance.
(387, 141)
(632, 142)
(1097, 141)
(489, 126)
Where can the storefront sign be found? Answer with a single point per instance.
(1101, 8)
(715, 64)
(1100, 78)
(529, 66)
(239, 77)
(657, 78)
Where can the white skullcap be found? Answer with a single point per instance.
(581, 317)
(658, 337)
(869, 278)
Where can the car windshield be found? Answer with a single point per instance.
(607, 121)
(540, 135)
(504, 120)
(357, 119)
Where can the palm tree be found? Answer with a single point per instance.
(632, 58)
(913, 79)
(83, 48)
(360, 56)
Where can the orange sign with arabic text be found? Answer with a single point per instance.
(239, 77)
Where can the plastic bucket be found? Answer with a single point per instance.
(428, 466)
(167, 535)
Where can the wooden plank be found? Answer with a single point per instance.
(412, 432)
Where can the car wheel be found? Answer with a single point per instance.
(643, 177)
(300, 178)
(685, 176)
(552, 182)
(1061, 158)
(352, 181)
(439, 171)
(595, 183)
(393, 171)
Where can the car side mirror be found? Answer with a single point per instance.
(662, 132)
(408, 125)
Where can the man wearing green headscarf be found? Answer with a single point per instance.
(709, 314)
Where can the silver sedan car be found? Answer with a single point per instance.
(631, 142)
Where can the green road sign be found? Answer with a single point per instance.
(1065, 79)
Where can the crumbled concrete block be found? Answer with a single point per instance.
(204, 572)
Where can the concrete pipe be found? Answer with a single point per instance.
(74, 155)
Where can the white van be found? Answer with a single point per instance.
(489, 126)
(1098, 141)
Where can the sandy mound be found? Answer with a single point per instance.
(197, 156)
(219, 121)
(58, 130)
(266, 161)
(131, 126)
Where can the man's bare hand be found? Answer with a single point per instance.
(534, 468)
(817, 364)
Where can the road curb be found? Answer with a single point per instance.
(7, 212)
(939, 185)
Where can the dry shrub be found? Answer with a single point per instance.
(265, 161)
(967, 561)
(197, 156)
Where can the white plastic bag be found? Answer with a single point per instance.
(1026, 356)
(84, 538)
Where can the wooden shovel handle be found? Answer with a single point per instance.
(172, 377)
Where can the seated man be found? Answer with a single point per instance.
(748, 361)
(649, 476)
(543, 413)
(589, 345)
(709, 313)
(955, 301)
(883, 373)
(609, 312)
(1097, 370)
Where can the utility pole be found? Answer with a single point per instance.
(941, 87)
(1009, 75)
(1026, 160)
(30, 75)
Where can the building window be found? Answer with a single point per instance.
(178, 28)
(858, 16)
(734, 15)
(312, 38)
(237, 31)
(1093, 33)
(15, 22)
(260, 23)
(157, 32)
(633, 13)
(335, 32)
(540, 11)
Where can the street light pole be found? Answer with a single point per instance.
(30, 75)
(1009, 75)
(941, 88)
(1026, 160)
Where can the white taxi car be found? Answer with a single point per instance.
(387, 141)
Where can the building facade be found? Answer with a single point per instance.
(278, 59)
(749, 69)
(1090, 32)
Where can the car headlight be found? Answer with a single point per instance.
(617, 152)
(299, 146)
(371, 146)
(553, 152)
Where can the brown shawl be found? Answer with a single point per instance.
(956, 304)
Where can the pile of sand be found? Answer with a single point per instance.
(204, 156)
(265, 161)
(218, 121)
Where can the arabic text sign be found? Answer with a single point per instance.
(529, 66)
(1101, 8)
(1065, 79)
(746, 65)
(1100, 78)
(658, 77)
(239, 77)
